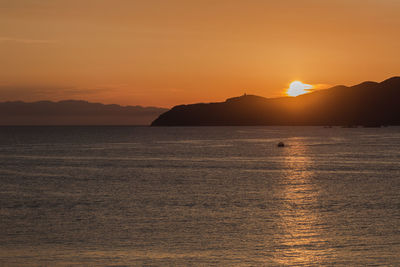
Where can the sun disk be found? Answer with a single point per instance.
(297, 88)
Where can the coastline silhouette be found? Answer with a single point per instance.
(369, 104)
(75, 112)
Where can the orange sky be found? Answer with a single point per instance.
(164, 53)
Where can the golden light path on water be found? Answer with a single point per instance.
(300, 221)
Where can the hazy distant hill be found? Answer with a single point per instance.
(368, 104)
(72, 112)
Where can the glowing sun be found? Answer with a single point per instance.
(298, 88)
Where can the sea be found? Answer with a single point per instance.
(199, 196)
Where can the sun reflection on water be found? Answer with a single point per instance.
(301, 228)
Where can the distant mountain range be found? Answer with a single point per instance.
(73, 112)
(368, 104)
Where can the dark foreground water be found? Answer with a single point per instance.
(208, 196)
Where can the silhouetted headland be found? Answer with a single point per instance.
(73, 112)
(367, 104)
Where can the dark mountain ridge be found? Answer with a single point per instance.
(75, 112)
(368, 104)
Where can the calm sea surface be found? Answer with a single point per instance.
(202, 196)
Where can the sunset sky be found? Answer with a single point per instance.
(164, 53)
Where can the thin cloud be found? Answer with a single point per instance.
(321, 86)
(26, 41)
(12, 93)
